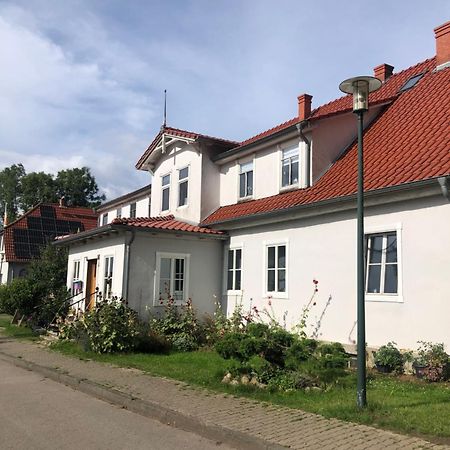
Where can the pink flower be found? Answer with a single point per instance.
(270, 303)
(315, 281)
(316, 290)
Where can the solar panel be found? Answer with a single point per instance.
(47, 211)
(34, 223)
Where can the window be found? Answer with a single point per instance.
(76, 282)
(105, 219)
(411, 82)
(165, 192)
(119, 212)
(108, 276)
(276, 268)
(289, 167)
(172, 273)
(183, 175)
(133, 210)
(234, 273)
(246, 179)
(382, 263)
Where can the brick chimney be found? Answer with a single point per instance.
(442, 35)
(383, 72)
(304, 106)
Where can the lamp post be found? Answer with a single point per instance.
(360, 87)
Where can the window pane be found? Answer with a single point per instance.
(281, 280)
(183, 173)
(281, 256)
(242, 185)
(179, 268)
(165, 268)
(250, 183)
(105, 219)
(166, 180)
(230, 280)
(165, 199)
(376, 246)
(179, 285)
(133, 210)
(271, 257)
(294, 172)
(164, 287)
(391, 248)
(271, 280)
(246, 167)
(183, 193)
(390, 279)
(230, 259)
(238, 280)
(238, 258)
(290, 152)
(285, 173)
(373, 285)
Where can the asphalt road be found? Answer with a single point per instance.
(37, 413)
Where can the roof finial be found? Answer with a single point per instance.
(165, 108)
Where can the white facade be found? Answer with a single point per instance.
(324, 248)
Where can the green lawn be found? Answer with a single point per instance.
(9, 330)
(407, 406)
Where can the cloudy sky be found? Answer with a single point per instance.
(82, 81)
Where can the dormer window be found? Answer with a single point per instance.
(183, 176)
(119, 212)
(289, 167)
(246, 179)
(165, 182)
(133, 210)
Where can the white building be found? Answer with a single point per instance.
(257, 221)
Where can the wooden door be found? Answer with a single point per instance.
(91, 284)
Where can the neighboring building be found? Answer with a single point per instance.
(22, 240)
(131, 205)
(256, 221)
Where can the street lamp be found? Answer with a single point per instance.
(360, 87)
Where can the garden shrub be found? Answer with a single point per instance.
(435, 360)
(390, 358)
(149, 341)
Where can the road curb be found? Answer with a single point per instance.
(147, 408)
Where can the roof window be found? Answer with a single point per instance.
(411, 82)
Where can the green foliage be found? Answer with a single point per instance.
(18, 295)
(148, 341)
(37, 187)
(389, 357)
(111, 327)
(10, 190)
(435, 360)
(78, 187)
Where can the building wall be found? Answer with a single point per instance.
(324, 248)
(177, 158)
(142, 210)
(97, 249)
(205, 270)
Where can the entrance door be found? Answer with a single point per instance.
(91, 284)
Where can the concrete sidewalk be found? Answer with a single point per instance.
(239, 422)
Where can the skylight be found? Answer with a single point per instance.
(411, 82)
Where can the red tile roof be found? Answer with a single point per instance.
(388, 92)
(408, 142)
(177, 133)
(163, 223)
(24, 237)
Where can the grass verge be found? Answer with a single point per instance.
(7, 329)
(407, 406)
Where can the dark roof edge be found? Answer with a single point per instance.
(129, 195)
(334, 201)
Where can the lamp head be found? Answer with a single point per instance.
(360, 87)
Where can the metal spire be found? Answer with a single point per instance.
(165, 108)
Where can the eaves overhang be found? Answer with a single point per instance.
(392, 194)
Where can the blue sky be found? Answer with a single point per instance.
(82, 81)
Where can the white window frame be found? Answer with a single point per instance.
(233, 248)
(388, 297)
(240, 164)
(266, 245)
(76, 276)
(173, 256)
(106, 264)
(281, 150)
(180, 181)
(105, 219)
(163, 188)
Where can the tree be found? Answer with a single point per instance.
(10, 190)
(37, 187)
(78, 187)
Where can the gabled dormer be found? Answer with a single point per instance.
(185, 181)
